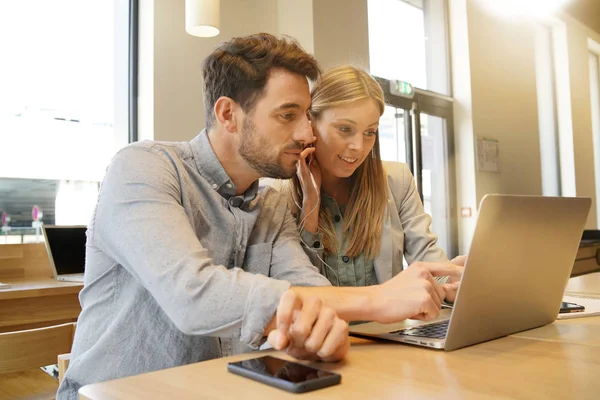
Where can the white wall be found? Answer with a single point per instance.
(171, 103)
(341, 32)
(504, 101)
(494, 87)
(577, 39)
(170, 93)
(494, 83)
(464, 156)
(295, 18)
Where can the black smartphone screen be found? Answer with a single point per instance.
(566, 307)
(284, 374)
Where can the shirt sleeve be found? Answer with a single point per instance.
(141, 224)
(291, 261)
(311, 243)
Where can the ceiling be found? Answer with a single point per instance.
(585, 11)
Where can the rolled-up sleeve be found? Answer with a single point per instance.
(141, 224)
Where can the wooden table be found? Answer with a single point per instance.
(511, 367)
(35, 298)
(586, 284)
(36, 302)
(557, 361)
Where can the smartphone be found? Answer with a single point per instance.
(287, 375)
(566, 307)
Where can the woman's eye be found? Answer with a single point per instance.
(370, 133)
(345, 129)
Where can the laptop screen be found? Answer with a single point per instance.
(67, 248)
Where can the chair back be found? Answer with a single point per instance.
(23, 350)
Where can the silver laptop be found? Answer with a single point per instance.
(66, 251)
(518, 266)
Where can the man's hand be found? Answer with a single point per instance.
(451, 285)
(414, 293)
(306, 329)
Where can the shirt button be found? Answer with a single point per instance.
(337, 218)
(317, 244)
(345, 259)
(215, 186)
(236, 201)
(229, 185)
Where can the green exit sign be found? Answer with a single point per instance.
(401, 88)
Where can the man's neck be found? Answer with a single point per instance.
(241, 174)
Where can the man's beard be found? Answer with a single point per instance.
(256, 153)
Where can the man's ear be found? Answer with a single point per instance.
(226, 111)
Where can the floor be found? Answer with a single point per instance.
(36, 384)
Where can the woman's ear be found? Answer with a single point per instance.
(225, 113)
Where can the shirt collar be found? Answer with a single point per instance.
(210, 168)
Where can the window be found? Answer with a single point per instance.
(554, 110)
(547, 111)
(64, 106)
(408, 41)
(595, 103)
(392, 144)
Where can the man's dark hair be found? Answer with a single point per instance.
(239, 69)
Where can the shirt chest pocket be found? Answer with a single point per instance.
(257, 259)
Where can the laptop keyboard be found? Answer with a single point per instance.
(435, 331)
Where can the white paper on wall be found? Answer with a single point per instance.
(487, 155)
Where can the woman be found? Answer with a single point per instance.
(358, 216)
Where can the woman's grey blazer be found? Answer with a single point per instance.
(406, 228)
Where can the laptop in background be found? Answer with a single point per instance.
(515, 276)
(66, 251)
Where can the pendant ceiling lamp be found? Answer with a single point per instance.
(202, 17)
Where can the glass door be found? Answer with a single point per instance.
(418, 131)
(435, 186)
(392, 143)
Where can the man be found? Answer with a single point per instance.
(185, 253)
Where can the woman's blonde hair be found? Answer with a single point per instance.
(364, 214)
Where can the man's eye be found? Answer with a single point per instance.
(288, 117)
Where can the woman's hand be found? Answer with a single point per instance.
(309, 175)
(414, 293)
(452, 284)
